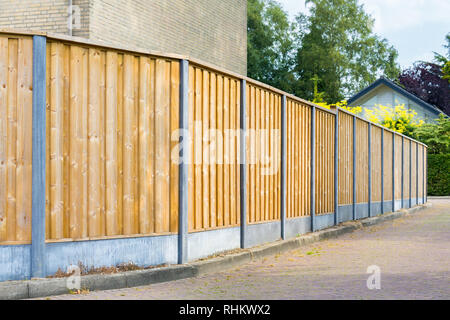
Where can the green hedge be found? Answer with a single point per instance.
(438, 175)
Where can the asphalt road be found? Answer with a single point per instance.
(412, 255)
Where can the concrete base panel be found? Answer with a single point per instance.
(406, 203)
(262, 233)
(397, 205)
(206, 243)
(387, 206)
(345, 213)
(362, 210)
(297, 226)
(145, 251)
(324, 221)
(375, 209)
(15, 262)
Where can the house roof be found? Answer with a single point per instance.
(396, 88)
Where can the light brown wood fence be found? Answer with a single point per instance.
(110, 165)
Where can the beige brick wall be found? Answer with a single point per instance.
(211, 30)
(42, 15)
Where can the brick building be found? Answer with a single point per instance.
(211, 30)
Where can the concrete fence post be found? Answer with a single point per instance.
(38, 255)
(369, 142)
(183, 196)
(283, 166)
(313, 168)
(354, 169)
(336, 168)
(382, 170)
(243, 161)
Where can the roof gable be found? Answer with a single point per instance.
(398, 89)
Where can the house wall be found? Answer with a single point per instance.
(211, 30)
(383, 95)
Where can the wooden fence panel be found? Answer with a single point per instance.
(414, 170)
(214, 174)
(362, 162)
(324, 162)
(298, 159)
(398, 167)
(263, 154)
(110, 116)
(406, 169)
(16, 72)
(345, 158)
(387, 179)
(420, 171)
(376, 163)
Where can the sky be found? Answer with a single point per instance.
(416, 28)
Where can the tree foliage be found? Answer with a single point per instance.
(334, 45)
(435, 135)
(430, 81)
(270, 44)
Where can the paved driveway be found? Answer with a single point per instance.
(412, 253)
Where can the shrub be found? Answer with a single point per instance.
(438, 183)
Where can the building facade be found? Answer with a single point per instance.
(214, 31)
(387, 93)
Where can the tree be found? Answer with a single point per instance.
(430, 81)
(339, 47)
(425, 80)
(435, 135)
(270, 44)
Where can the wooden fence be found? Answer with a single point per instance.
(111, 169)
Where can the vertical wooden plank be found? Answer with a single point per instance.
(12, 139)
(232, 151)
(94, 132)
(24, 139)
(212, 151)
(66, 142)
(56, 141)
(227, 186)
(219, 149)
(120, 145)
(111, 143)
(198, 159)
(78, 142)
(129, 151)
(162, 141)
(191, 176)
(102, 169)
(4, 85)
(258, 155)
(145, 154)
(205, 151)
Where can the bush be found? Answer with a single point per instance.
(438, 183)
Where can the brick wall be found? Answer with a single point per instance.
(42, 15)
(211, 30)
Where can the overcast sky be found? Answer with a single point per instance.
(416, 28)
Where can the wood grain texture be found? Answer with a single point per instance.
(110, 119)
